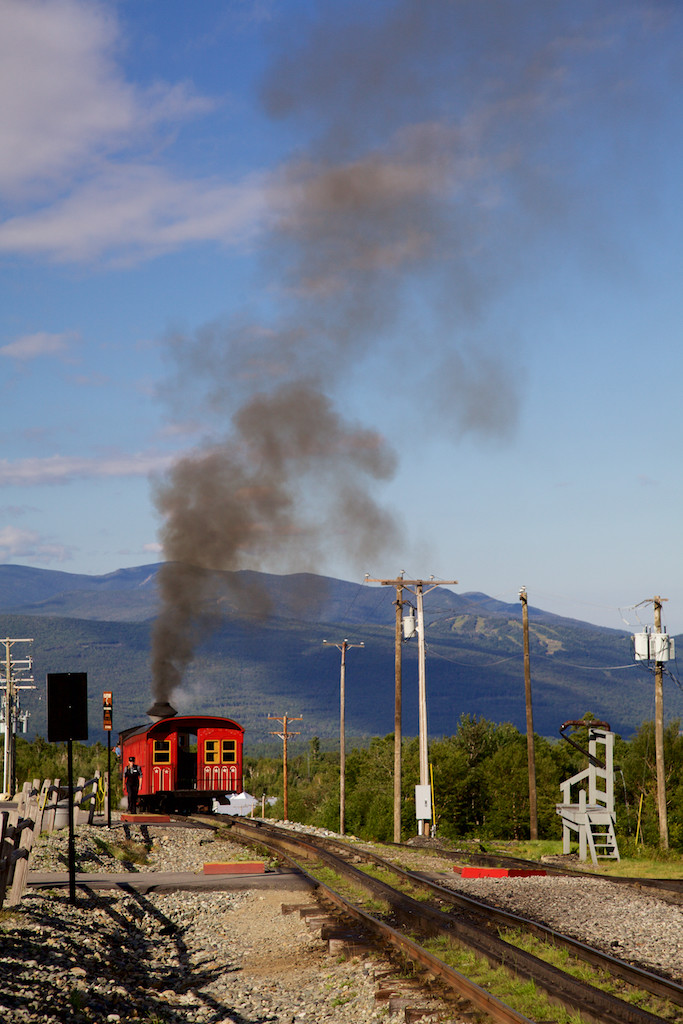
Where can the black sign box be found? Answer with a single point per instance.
(67, 706)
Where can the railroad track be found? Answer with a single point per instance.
(465, 922)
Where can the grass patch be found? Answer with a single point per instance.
(395, 881)
(127, 851)
(589, 975)
(340, 1000)
(528, 849)
(522, 996)
(645, 867)
(353, 893)
(636, 861)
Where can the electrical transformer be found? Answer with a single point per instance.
(653, 647)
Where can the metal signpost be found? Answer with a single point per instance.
(108, 716)
(67, 719)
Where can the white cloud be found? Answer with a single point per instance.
(16, 543)
(60, 469)
(65, 102)
(136, 211)
(31, 346)
(79, 145)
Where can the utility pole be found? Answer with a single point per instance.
(398, 728)
(531, 760)
(659, 735)
(343, 647)
(419, 592)
(12, 685)
(284, 736)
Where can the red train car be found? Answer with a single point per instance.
(187, 761)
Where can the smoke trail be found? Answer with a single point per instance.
(289, 478)
(441, 151)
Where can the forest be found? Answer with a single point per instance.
(480, 782)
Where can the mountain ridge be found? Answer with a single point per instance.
(29, 590)
(254, 665)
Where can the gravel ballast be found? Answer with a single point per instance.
(228, 957)
(234, 956)
(641, 929)
(633, 925)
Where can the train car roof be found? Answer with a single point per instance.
(183, 721)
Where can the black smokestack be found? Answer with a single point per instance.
(161, 710)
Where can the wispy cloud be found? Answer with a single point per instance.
(79, 145)
(90, 380)
(33, 346)
(14, 511)
(16, 543)
(71, 105)
(62, 469)
(135, 211)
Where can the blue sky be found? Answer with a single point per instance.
(392, 287)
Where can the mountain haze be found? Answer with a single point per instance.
(266, 655)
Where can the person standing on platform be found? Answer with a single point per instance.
(132, 777)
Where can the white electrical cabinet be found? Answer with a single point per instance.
(423, 803)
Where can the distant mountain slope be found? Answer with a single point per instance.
(131, 595)
(253, 666)
(47, 592)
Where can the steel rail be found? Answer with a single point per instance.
(559, 987)
(639, 977)
(453, 979)
(385, 934)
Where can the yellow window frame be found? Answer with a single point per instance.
(162, 752)
(229, 751)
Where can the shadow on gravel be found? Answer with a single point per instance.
(106, 959)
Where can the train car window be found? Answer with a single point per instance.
(162, 752)
(229, 752)
(210, 751)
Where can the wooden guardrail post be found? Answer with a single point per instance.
(23, 843)
(23, 798)
(51, 806)
(92, 797)
(6, 847)
(78, 799)
(85, 798)
(42, 801)
(17, 838)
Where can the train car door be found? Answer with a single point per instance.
(162, 765)
(187, 759)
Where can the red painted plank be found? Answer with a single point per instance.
(245, 867)
(145, 819)
(474, 872)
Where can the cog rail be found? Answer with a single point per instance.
(560, 987)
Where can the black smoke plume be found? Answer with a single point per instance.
(441, 160)
(290, 479)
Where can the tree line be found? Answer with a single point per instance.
(481, 784)
(480, 776)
